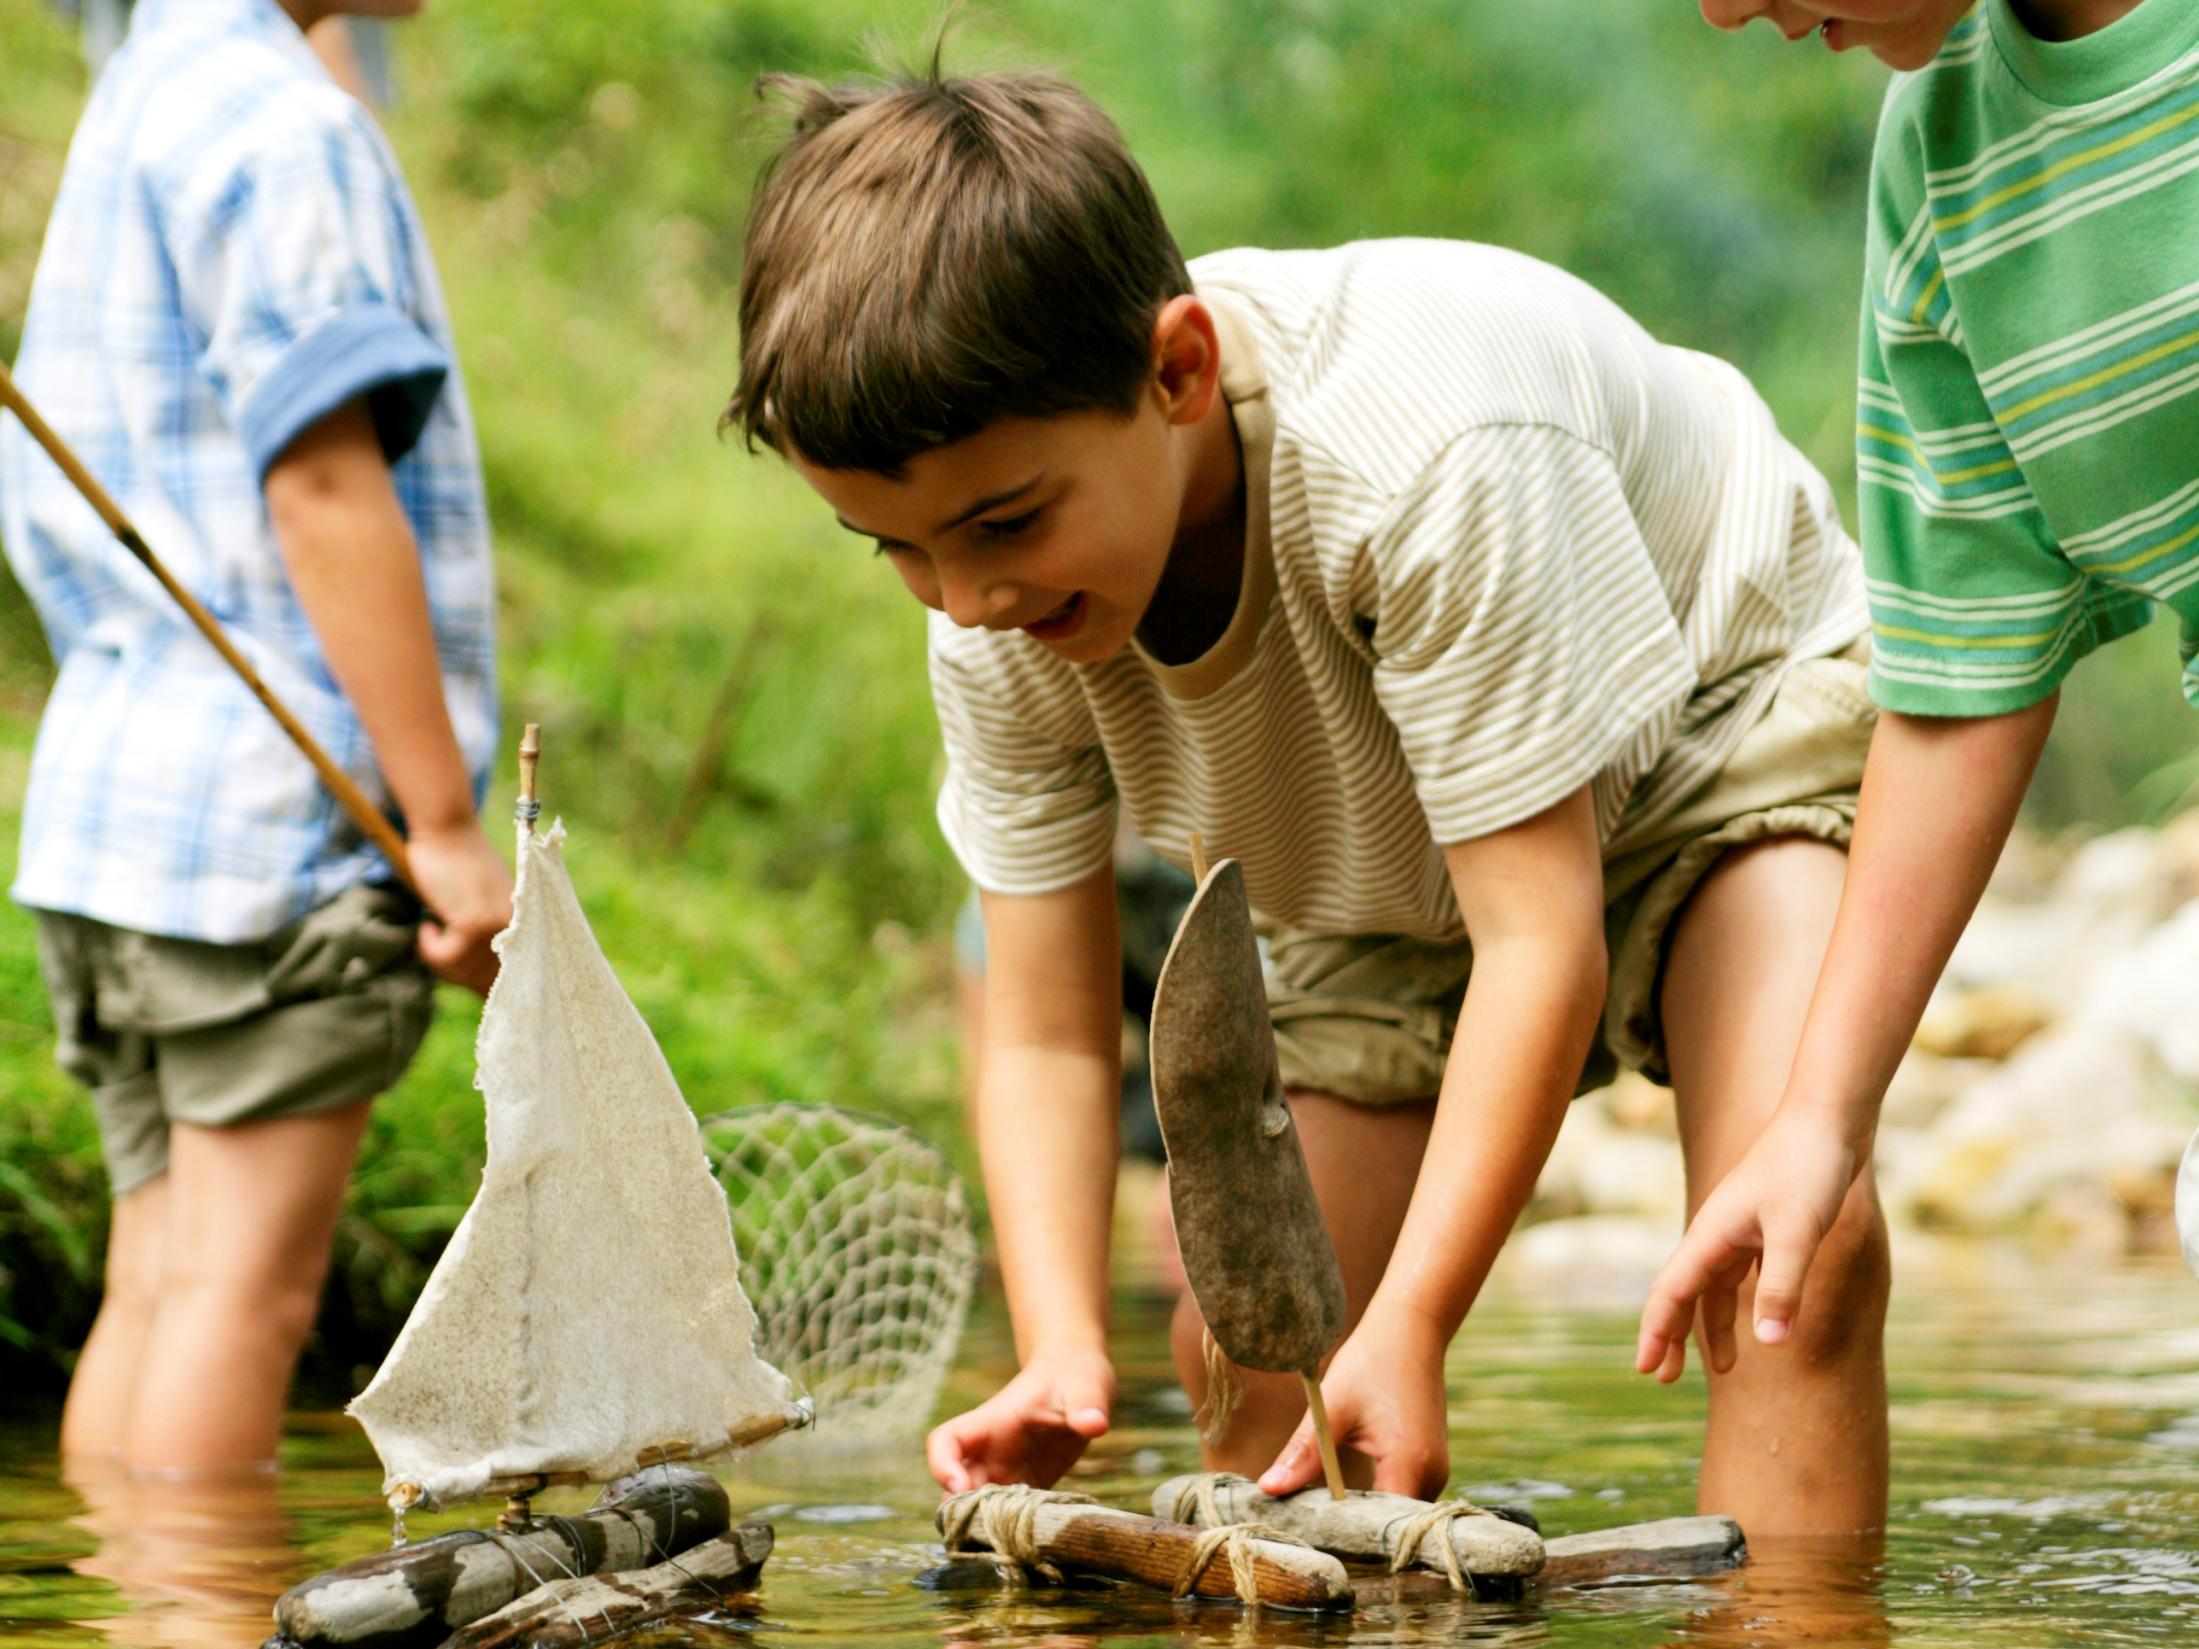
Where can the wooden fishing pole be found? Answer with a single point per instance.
(1309, 1379)
(363, 813)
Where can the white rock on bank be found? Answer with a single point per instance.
(2151, 992)
(2187, 1204)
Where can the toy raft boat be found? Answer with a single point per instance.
(586, 1324)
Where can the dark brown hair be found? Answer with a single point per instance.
(929, 256)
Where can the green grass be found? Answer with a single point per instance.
(776, 902)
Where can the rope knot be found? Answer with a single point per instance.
(1004, 1518)
(1234, 1541)
(1437, 1518)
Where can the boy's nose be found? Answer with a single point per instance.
(972, 602)
(1732, 14)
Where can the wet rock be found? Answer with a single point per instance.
(1924, 1087)
(2151, 992)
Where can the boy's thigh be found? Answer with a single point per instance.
(1369, 1018)
(324, 1014)
(1794, 777)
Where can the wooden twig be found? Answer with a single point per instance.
(1080, 1538)
(1363, 1527)
(530, 754)
(422, 1592)
(590, 1608)
(1332, 1469)
(362, 812)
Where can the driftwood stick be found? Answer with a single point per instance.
(1332, 1469)
(370, 819)
(1364, 1527)
(530, 755)
(1074, 1536)
(415, 1596)
(590, 1608)
(1671, 1546)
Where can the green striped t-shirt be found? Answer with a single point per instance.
(2028, 442)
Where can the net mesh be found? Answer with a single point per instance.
(858, 1255)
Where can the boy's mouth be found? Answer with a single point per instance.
(1831, 33)
(1059, 623)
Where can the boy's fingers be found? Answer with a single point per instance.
(1674, 1363)
(1298, 1465)
(943, 1452)
(1082, 1406)
(1407, 1473)
(1779, 1289)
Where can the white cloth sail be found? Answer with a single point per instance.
(587, 1317)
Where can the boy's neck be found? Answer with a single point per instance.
(1197, 595)
(2058, 20)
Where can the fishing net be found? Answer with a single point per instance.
(857, 1254)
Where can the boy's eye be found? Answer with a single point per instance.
(1008, 526)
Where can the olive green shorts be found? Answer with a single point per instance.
(1369, 1017)
(328, 1011)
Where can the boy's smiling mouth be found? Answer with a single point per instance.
(1058, 624)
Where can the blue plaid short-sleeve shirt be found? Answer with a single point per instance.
(232, 255)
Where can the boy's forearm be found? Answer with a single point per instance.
(1530, 1014)
(355, 566)
(1047, 1126)
(1939, 799)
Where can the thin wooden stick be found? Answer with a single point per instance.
(1331, 1467)
(1198, 858)
(530, 753)
(353, 800)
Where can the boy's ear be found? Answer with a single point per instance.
(1187, 359)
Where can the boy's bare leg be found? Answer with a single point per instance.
(252, 1215)
(1364, 1160)
(95, 1419)
(1797, 1436)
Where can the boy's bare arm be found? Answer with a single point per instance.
(355, 566)
(1532, 899)
(1048, 1109)
(1939, 798)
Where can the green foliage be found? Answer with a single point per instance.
(736, 719)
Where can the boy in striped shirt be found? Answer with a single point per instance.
(2028, 456)
(1514, 655)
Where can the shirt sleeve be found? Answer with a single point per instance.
(1521, 633)
(1028, 803)
(1975, 609)
(294, 265)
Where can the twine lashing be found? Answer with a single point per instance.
(1004, 1518)
(1416, 1530)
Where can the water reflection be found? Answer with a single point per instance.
(198, 1560)
(1818, 1592)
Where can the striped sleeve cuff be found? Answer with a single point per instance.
(369, 349)
(1941, 658)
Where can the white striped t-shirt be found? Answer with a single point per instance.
(1500, 543)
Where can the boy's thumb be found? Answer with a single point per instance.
(1084, 1406)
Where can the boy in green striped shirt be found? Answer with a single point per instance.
(2028, 463)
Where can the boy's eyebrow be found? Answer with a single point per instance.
(991, 501)
(988, 502)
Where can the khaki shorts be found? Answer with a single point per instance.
(324, 1013)
(1369, 1018)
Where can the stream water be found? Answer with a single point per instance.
(2046, 1493)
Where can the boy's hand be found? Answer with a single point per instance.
(470, 888)
(1384, 1394)
(1032, 1429)
(1773, 1209)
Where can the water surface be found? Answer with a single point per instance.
(2046, 1493)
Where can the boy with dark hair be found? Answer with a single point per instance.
(2028, 466)
(236, 323)
(1515, 656)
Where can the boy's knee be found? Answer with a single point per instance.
(1850, 1282)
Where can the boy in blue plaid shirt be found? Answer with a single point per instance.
(236, 324)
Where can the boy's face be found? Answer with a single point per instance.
(1902, 34)
(1059, 527)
